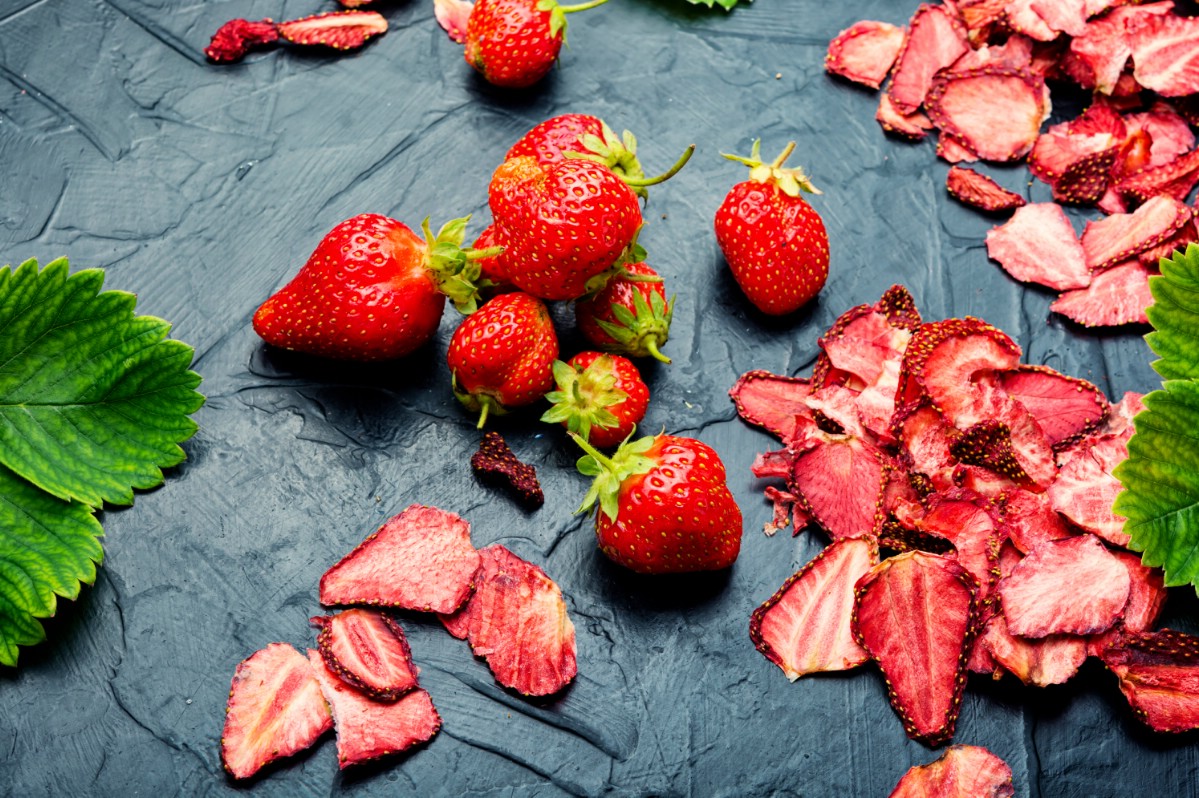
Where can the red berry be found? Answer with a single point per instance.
(573, 135)
(514, 43)
(601, 397)
(630, 315)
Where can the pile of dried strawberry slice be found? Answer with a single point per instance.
(968, 497)
(361, 680)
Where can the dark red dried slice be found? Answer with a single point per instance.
(935, 39)
(1070, 586)
(771, 401)
(517, 621)
(898, 538)
(1086, 179)
(982, 18)
(235, 39)
(275, 710)
(1085, 488)
(899, 307)
(842, 479)
(1115, 297)
(916, 615)
(1116, 238)
(954, 150)
(988, 444)
(980, 191)
(368, 650)
(494, 459)
(963, 771)
(996, 112)
(368, 729)
(1028, 519)
(990, 404)
(914, 125)
(1050, 660)
(1065, 407)
(1039, 245)
(1016, 52)
(340, 30)
(1159, 675)
(1105, 46)
(864, 52)
(421, 559)
(805, 626)
(1165, 55)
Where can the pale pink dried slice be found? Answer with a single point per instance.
(864, 52)
(1085, 488)
(980, 191)
(275, 710)
(914, 125)
(916, 615)
(452, 16)
(1029, 519)
(996, 112)
(1169, 133)
(1165, 55)
(1042, 662)
(1106, 44)
(1096, 130)
(421, 559)
(368, 729)
(771, 401)
(1024, 19)
(1115, 297)
(368, 650)
(1070, 586)
(935, 39)
(963, 771)
(1112, 240)
(1086, 180)
(954, 150)
(943, 357)
(965, 520)
(1159, 675)
(842, 479)
(1146, 598)
(1039, 245)
(1065, 407)
(805, 626)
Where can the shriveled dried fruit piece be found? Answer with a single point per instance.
(963, 771)
(914, 126)
(1169, 134)
(935, 39)
(943, 358)
(1153, 256)
(341, 30)
(1098, 128)
(1086, 179)
(916, 616)
(954, 150)
(1165, 55)
(1050, 660)
(864, 52)
(996, 112)
(1115, 297)
(1065, 407)
(1116, 238)
(452, 16)
(275, 710)
(1039, 245)
(771, 401)
(1070, 586)
(965, 520)
(924, 437)
(495, 459)
(421, 559)
(1028, 519)
(367, 649)
(1085, 488)
(368, 729)
(805, 626)
(1146, 598)
(517, 621)
(980, 191)
(842, 478)
(237, 37)
(1159, 675)
(787, 509)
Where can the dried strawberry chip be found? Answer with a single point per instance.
(1039, 245)
(1115, 297)
(1164, 55)
(916, 615)
(914, 125)
(990, 404)
(1025, 20)
(341, 30)
(1146, 598)
(517, 621)
(275, 710)
(1070, 586)
(963, 771)
(1115, 239)
(980, 191)
(899, 307)
(1086, 179)
(452, 16)
(1098, 129)
(1065, 407)
(1174, 179)
(1028, 519)
(1063, 16)
(842, 479)
(368, 650)
(495, 460)
(1105, 45)
(864, 52)
(988, 444)
(996, 112)
(421, 559)
(964, 519)
(805, 626)
(368, 729)
(943, 358)
(1158, 674)
(771, 401)
(237, 37)
(935, 39)
(787, 509)
(1050, 660)
(952, 149)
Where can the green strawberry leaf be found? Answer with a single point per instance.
(1174, 315)
(725, 4)
(93, 400)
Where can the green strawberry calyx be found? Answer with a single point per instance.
(584, 396)
(482, 403)
(558, 14)
(455, 269)
(637, 182)
(791, 181)
(618, 153)
(610, 472)
(641, 331)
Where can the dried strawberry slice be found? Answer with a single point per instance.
(943, 358)
(1098, 128)
(1023, 19)
(988, 444)
(980, 191)
(963, 771)
(914, 125)
(1164, 55)
(899, 538)
(787, 509)
(1158, 674)
(1064, 16)
(864, 52)
(935, 39)
(1028, 519)
(367, 649)
(842, 478)
(804, 627)
(1174, 179)
(990, 404)
(235, 39)
(1066, 408)
(1016, 52)
(964, 519)
(1039, 245)
(517, 621)
(1105, 45)
(1070, 586)
(452, 16)
(924, 437)
(1085, 488)
(996, 112)
(275, 710)
(1146, 598)
(421, 559)
(1115, 297)
(1086, 179)
(1115, 239)
(1050, 660)
(494, 459)
(771, 401)
(982, 18)
(368, 729)
(341, 30)
(916, 615)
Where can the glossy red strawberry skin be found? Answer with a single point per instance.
(591, 311)
(628, 412)
(677, 517)
(505, 350)
(550, 140)
(776, 246)
(493, 268)
(365, 294)
(562, 223)
(509, 42)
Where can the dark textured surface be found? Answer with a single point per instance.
(203, 188)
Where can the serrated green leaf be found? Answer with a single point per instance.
(725, 4)
(1174, 315)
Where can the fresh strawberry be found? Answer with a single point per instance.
(502, 355)
(630, 315)
(582, 136)
(372, 290)
(601, 397)
(664, 505)
(493, 279)
(514, 43)
(774, 241)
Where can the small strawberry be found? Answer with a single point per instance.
(773, 240)
(601, 397)
(491, 269)
(514, 43)
(372, 290)
(664, 505)
(630, 315)
(502, 355)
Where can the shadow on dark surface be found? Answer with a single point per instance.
(657, 592)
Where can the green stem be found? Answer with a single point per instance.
(581, 6)
(784, 155)
(485, 403)
(604, 462)
(651, 346)
(480, 254)
(637, 182)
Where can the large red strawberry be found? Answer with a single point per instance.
(664, 505)
(630, 315)
(514, 43)
(372, 290)
(601, 397)
(502, 355)
(582, 135)
(774, 241)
